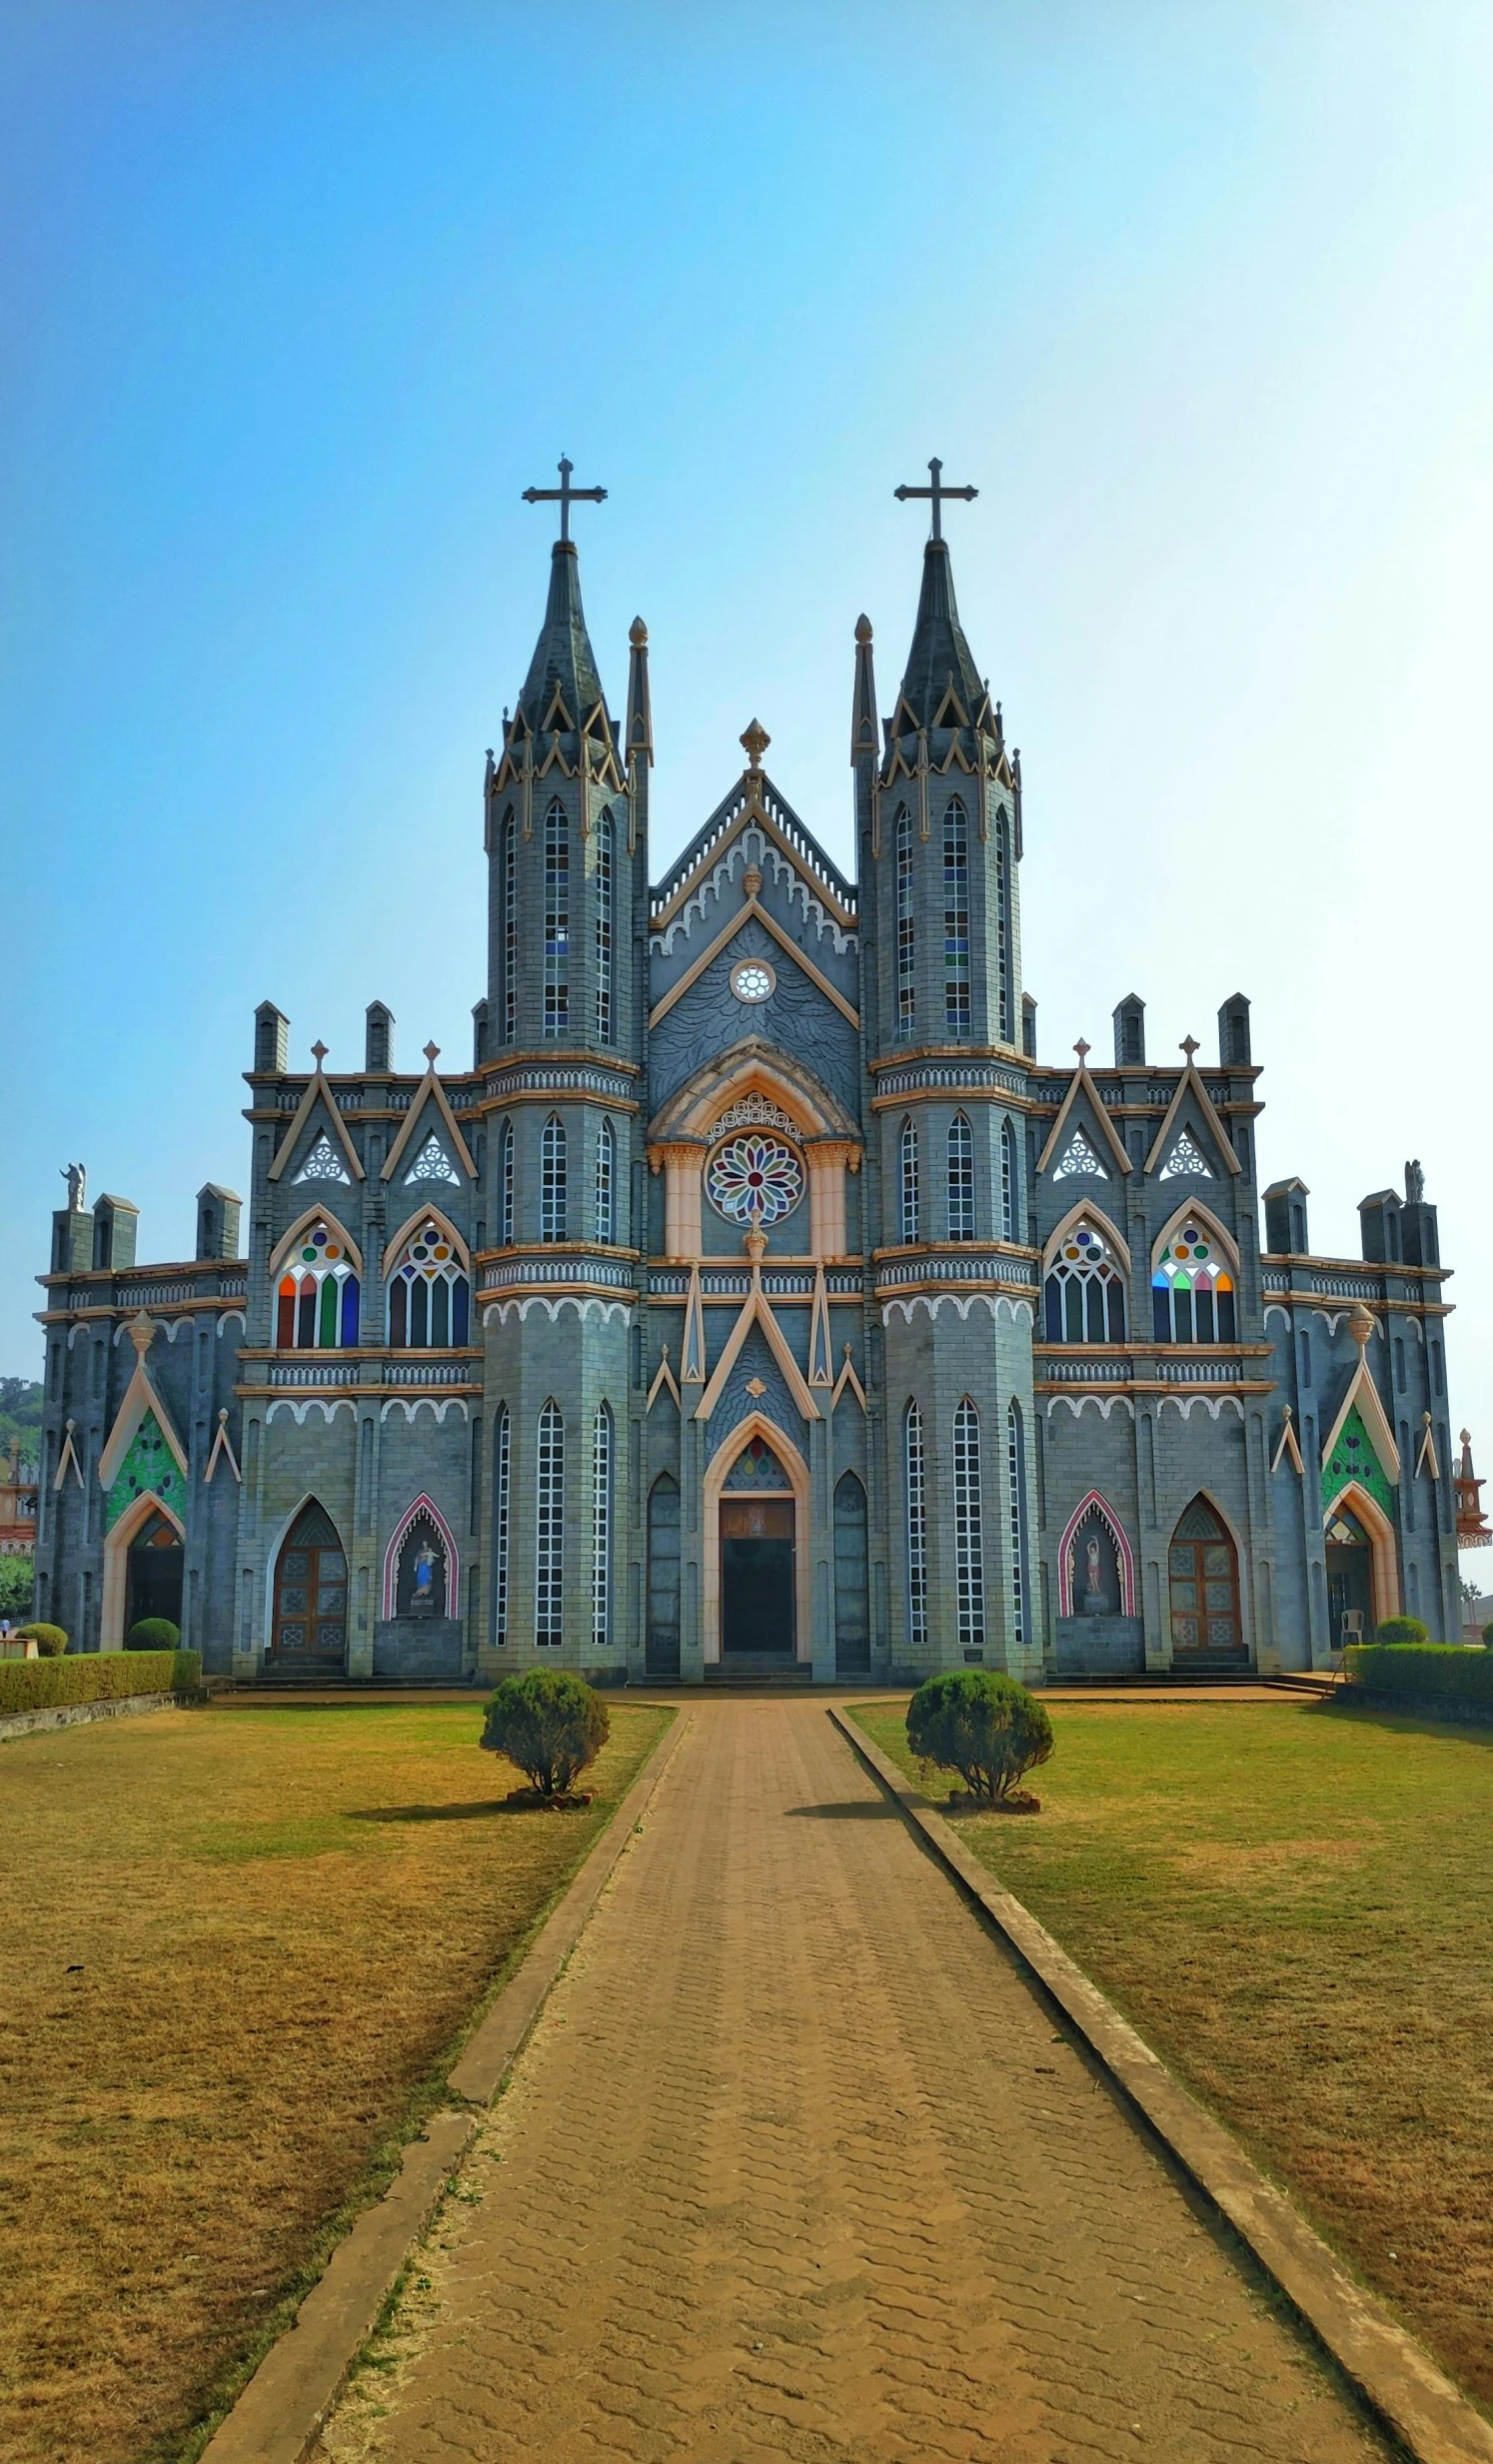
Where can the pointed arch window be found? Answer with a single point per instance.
(960, 1179)
(956, 918)
(600, 1528)
(1192, 1290)
(969, 1553)
(914, 1481)
(316, 1298)
(1086, 1290)
(907, 929)
(1003, 923)
(549, 1595)
(430, 1297)
(557, 919)
(1015, 1482)
(604, 928)
(505, 1186)
(909, 1180)
(501, 1482)
(553, 1207)
(606, 1184)
(1009, 1181)
(509, 928)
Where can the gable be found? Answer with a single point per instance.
(149, 1465)
(1353, 1456)
(709, 1020)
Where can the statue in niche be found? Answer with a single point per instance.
(1093, 1581)
(1097, 1595)
(422, 1575)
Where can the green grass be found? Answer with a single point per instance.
(1296, 1908)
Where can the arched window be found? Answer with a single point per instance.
(509, 928)
(907, 929)
(907, 1170)
(1003, 923)
(1015, 1482)
(960, 1179)
(606, 1184)
(430, 1297)
(552, 1181)
(956, 918)
(505, 1186)
(548, 1552)
(502, 1477)
(1086, 1290)
(421, 1576)
(852, 1579)
(317, 1295)
(1009, 1181)
(600, 1528)
(556, 919)
(661, 1642)
(969, 1551)
(1192, 1291)
(916, 1489)
(604, 929)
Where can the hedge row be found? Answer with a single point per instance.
(1454, 1671)
(94, 1677)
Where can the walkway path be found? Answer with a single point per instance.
(794, 2168)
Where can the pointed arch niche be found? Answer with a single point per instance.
(131, 1526)
(1378, 1529)
(756, 1425)
(1099, 1506)
(793, 1100)
(447, 1584)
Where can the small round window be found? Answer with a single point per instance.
(753, 980)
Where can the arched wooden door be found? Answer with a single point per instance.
(309, 1625)
(1204, 1581)
(155, 1579)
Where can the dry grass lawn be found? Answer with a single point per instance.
(1296, 1908)
(241, 1946)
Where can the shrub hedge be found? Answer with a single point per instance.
(980, 1724)
(153, 1634)
(1402, 1630)
(1453, 1673)
(94, 1677)
(50, 1640)
(547, 1721)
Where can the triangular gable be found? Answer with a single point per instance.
(693, 1350)
(1288, 1450)
(752, 909)
(1426, 1460)
(222, 1446)
(821, 1371)
(757, 1311)
(68, 1458)
(316, 1092)
(429, 1090)
(1360, 1444)
(849, 1378)
(140, 1398)
(663, 1379)
(1191, 1094)
(761, 808)
(1083, 1084)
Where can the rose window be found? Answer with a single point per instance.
(755, 1179)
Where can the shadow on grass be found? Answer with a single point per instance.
(1413, 1721)
(861, 1810)
(435, 1814)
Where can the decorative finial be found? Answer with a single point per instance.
(564, 496)
(222, 1411)
(1189, 1045)
(862, 628)
(1084, 1050)
(1466, 1437)
(757, 739)
(938, 493)
(1426, 1417)
(637, 632)
(755, 1244)
(142, 1333)
(319, 1052)
(1285, 1411)
(433, 1054)
(1361, 1324)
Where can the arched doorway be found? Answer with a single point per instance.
(852, 1579)
(153, 1582)
(308, 1620)
(662, 1638)
(757, 1538)
(1203, 1572)
(1350, 1579)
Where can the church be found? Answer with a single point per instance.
(757, 1299)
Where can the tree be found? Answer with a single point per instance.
(16, 1580)
(550, 1724)
(982, 1725)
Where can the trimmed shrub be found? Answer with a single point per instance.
(51, 1641)
(1395, 1633)
(982, 1725)
(96, 1677)
(1488, 1636)
(153, 1634)
(1453, 1673)
(550, 1724)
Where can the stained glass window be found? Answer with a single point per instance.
(1008, 1183)
(908, 1176)
(917, 1525)
(502, 1475)
(968, 1538)
(956, 919)
(430, 1298)
(960, 1179)
(1192, 1291)
(556, 919)
(548, 1601)
(505, 1186)
(907, 929)
(1086, 1290)
(755, 1179)
(604, 929)
(317, 1295)
(553, 1208)
(607, 1183)
(600, 1530)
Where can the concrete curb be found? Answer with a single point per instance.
(1387, 2366)
(291, 2394)
(50, 1716)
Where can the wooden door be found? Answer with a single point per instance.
(311, 1591)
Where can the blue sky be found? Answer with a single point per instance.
(296, 300)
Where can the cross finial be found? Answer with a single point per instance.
(937, 492)
(757, 739)
(1189, 1045)
(433, 1054)
(319, 1052)
(564, 496)
(1084, 1050)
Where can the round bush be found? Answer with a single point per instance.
(1402, 1630)
(982, 1725)
(153, 1634)
(550, 1724)
(1488, 1635)
(51, 1641)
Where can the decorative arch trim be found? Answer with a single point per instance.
(407, 1231)
(117, 1563)
(1093, 1503)
(313, 1214)
(1086, 1210)
(757, 1424)
(423, 1505)
(752, 1067)
(1381, 1545)
(1199, 1214)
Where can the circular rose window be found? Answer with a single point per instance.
(755, 1179)
(753, 980)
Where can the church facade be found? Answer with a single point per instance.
(760, 1299)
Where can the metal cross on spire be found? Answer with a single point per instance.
(937, 492)
(564, 496)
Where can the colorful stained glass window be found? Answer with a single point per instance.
(956, 919)
(1192, 1290)
(1086, 1290)
(430, 1297)
(316, 1298)
(907, 929)
(755, 1179)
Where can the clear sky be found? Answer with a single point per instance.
(294, 302)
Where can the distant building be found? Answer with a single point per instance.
(18, 1489)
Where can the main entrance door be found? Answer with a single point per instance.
(309, 1632)
(1350, 1580)
(1204, 1581)
(757, 1578)
(155, 1573)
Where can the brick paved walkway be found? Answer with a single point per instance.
(792, 2167)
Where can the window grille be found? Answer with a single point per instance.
(556, 919)
(960, 1179)
(552, 1209)
(505, 1186)
(430, 1297)
(909, 1189)
(1085, 1292)
(968, 1541)
(1015, 1476)
(907, 930)
(1008, 1182)
(603, 930)
(606, 1184)
(549, 1601)
(501, 1472)
(956, 919)
(510, 930)
(600, 1530)
(917, 1525)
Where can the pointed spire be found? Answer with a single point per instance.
(640, 737)
(863, 711)
(939, 655)
(563, 655)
